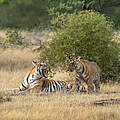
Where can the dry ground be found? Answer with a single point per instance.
(16, 62)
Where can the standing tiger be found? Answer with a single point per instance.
(36, 81)
(84, 70)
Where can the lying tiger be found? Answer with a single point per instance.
(36, 81)
(84, 70)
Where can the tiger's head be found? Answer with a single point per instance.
(72, 65)
(39, 70)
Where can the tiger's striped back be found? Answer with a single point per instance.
(53, 86)
(47, 86)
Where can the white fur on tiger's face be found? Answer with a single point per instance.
(87, 71)
(38, 72)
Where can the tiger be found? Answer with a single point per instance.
(37, 80)
(86, 71)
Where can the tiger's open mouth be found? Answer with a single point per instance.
(45, 73)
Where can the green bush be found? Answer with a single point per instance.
(69, 6)
(87, 34)
(13, 37)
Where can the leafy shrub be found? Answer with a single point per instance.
(13, 37)
(69, 6)
(87, 34)
(64, 6)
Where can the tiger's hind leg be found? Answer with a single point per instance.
(90, 85)
(96, 82)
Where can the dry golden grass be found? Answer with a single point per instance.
(16, 58)
(60, 106)
(16, 62)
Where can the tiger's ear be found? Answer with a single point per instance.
(43, 63)
(34, 63)
(78, 58)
